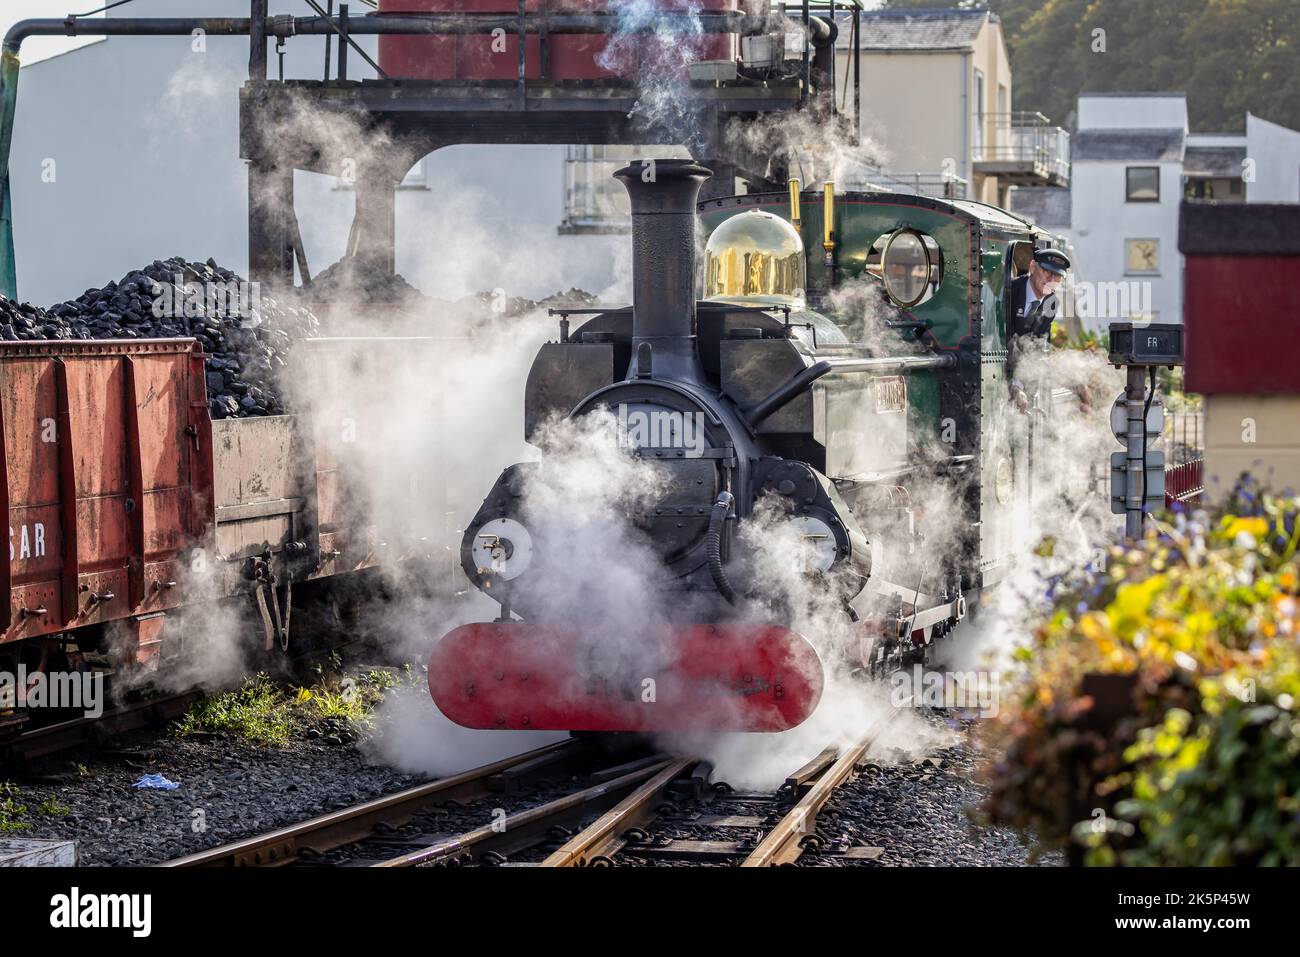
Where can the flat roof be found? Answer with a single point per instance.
(1239, 229)
(1134, 95)
(1152, 145)
(1047, 206)
(921, 29)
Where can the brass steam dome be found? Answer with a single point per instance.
(755, 258)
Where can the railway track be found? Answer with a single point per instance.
(633, 813)
(372, 833)
(28, 745)
(729, 838)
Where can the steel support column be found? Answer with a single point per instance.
(375, 223)
(270, 223)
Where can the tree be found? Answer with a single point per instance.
(1228, 56)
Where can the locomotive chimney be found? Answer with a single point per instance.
(663, 194)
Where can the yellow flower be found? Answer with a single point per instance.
(1257, 527)
(1095, 626)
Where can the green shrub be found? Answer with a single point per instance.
(258, 711)
(1195, 631)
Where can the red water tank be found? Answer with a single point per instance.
(571, 56)
(418, 58)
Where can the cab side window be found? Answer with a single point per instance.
(1019, 255)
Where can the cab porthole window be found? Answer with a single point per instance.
(909, 264)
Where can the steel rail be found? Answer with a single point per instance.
(40, 742)
(785, 843)
(525, 828)
(352, 824)
(603, 838)
(798, 783)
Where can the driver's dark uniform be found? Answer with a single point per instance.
(1041, 314)
(1032, 328)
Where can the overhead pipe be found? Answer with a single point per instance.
(285, 26)
(386, 25)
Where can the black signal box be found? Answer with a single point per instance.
(1146, 344)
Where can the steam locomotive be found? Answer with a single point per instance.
(850, 349)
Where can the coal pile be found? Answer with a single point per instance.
(519, 306)
(351, 280)
(246, 335)
(25, 321)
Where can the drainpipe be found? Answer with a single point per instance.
(966, 121)
(8, 102)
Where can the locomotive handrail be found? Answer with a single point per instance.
(881, 365)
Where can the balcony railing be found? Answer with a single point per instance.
(935, 185)
(595, 202)
(1025, 149)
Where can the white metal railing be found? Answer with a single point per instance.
(1026, 137)
(938, 185)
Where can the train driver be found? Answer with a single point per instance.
(1034, 306)
(1033, 296)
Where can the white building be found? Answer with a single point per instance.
(1126, 187)
(1274, 152)
(1134, 162)
(126, 150)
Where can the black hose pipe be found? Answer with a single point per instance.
(713, 546)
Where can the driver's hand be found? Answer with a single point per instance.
(1085, 398)
(1020, 399)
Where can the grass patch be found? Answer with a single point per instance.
(11, 810)
(381, 680)
(259, 711)
(53, 807)
(346, 703)
(270, 714)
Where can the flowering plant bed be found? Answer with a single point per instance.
(1152, 718)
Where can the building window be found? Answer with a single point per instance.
(978, 142)
(417, 177)
(1142, 184)
(1142, 257)
(595, 202)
